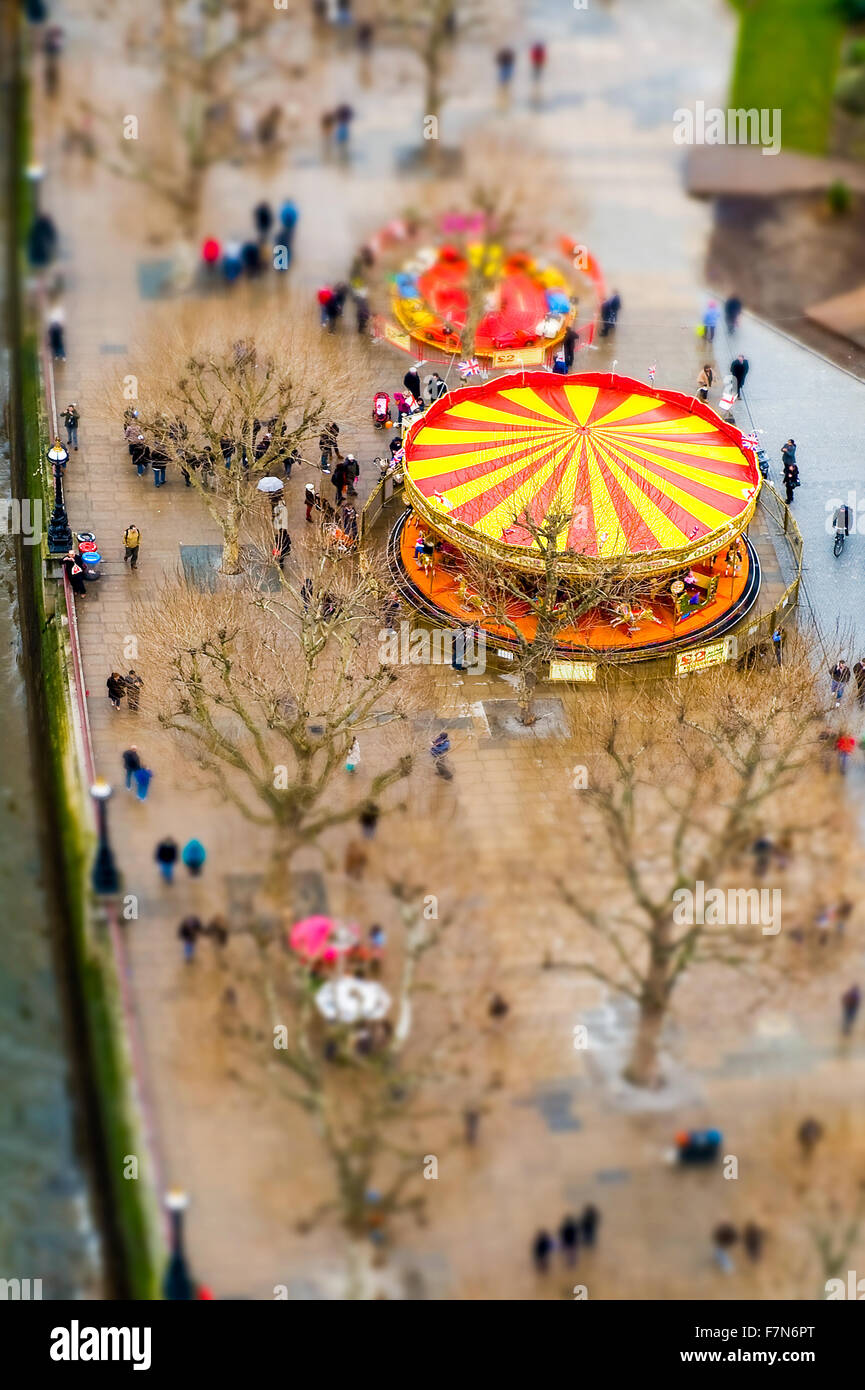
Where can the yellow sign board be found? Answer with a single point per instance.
(526, 357)
(573, 670)
(700, 658)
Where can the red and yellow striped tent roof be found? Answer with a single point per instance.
(647, 476)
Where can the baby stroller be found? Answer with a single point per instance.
(381, 410)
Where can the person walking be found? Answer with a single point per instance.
(788, 452)
(538, 60)
(471, 1123)
(542, 1248)
(791, 480)
(710, 320)
(569, 346)
(435, 386)
(569, 1239)
(52, 47)
(439, 747)
(411, 381)
(262, 216)
(139, 453)
(724, 1237)
(71, 418)
(840, 676)
(193, 856)
(349, 520)
(158, 462)
(498, 1007)
(353, 758)
(851, 1000)
(790, 468)
(352, 473)
(189, 932)
(368, 819)
(362, 311)
(133, 689)
(56, 334)
(310, 500)
(290, 460)
(339, 481)
(166, 857)
(281, 546)
(131, 542)
(859, 677)
(143, 777)
(131, 764)
(116, 688)
(74, 571)
(505, 61)
(739, 369)
(809, 1134)
(732, 310)
(327, 443)
(845, 744)
(762, 850)
(704, 381)
(753, 1237)
(589, 1223)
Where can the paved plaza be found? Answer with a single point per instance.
(552, 1134)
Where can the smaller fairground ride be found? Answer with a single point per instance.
(531, 303)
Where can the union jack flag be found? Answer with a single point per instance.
(750, 441)
(652, 371)
(469, 367)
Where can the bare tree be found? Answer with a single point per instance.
(368, 1086)
(268, 689)
(203, 52)
(685, 780)
(229, 410)
(428, 28)
(535, 610)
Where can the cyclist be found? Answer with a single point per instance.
(841, 526)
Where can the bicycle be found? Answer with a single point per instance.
(841, 523)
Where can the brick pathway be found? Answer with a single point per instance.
(250, 1163)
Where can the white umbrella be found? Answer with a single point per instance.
(270, 485)
(347, 1000)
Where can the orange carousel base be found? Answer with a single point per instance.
(651, 625)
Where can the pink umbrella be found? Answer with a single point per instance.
(321, 938)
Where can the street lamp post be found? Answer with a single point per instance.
(177, 1284)
(59, 533)
(104, 876)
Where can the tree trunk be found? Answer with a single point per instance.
(231, 541)
(432, 94)
(526, 697)
(643, 1069)
(362, 1283)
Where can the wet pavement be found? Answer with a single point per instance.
(616, 74)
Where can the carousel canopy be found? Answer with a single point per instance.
(650, 479)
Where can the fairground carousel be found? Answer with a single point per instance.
(656, 490)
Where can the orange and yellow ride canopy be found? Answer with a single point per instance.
(646, 475)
